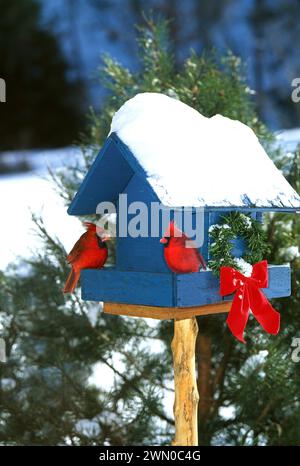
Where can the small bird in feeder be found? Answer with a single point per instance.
(180, 259)
(89, 252)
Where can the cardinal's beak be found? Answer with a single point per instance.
(163, 240)
(105, 238)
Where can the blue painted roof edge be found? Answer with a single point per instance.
(139, 170)
(133, 162)
(128, 156)
(85, 181)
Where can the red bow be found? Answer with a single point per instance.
(248, 297)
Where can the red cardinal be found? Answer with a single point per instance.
(89, 252)
(179, 258)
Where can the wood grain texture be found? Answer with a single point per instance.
(156, 312)
(186, 392)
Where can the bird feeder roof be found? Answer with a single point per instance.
(185, 159)
(191, 160)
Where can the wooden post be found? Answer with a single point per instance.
(183, 348)
(186, 392)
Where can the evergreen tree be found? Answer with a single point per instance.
(43, 107)
(54, 342)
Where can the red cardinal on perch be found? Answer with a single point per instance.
(89, 252)
(180, 259)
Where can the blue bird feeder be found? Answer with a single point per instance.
(140, 277)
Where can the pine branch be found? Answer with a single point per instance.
(158, 413)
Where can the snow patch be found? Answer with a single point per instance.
(292, 253)
(245, 267)
(191, 160)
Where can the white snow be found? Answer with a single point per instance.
(227, 412)
(245, 267)
(288, 139)
(39, 159)
(88, 427)
(292, 252)
(30, 193)
(247, 222)
(214, 227)
(196, 161)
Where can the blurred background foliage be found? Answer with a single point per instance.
(249, 395)
(49, 52)
(43, 107)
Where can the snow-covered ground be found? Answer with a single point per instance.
(33, 192)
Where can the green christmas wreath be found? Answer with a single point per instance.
(222, 235)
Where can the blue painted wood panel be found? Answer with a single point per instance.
(161, 289)
(111, 285)
(238, 247)
(140, 253)
(128, 155)
(107, 177)
(204, 249)
(260, 217)
(144, 253)
(196, 289)
(203, 287)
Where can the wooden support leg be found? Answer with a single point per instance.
(186, 392)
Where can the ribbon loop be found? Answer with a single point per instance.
(248, 297)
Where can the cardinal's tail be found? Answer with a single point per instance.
(72, 281)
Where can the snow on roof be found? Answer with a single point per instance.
(191, 160)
